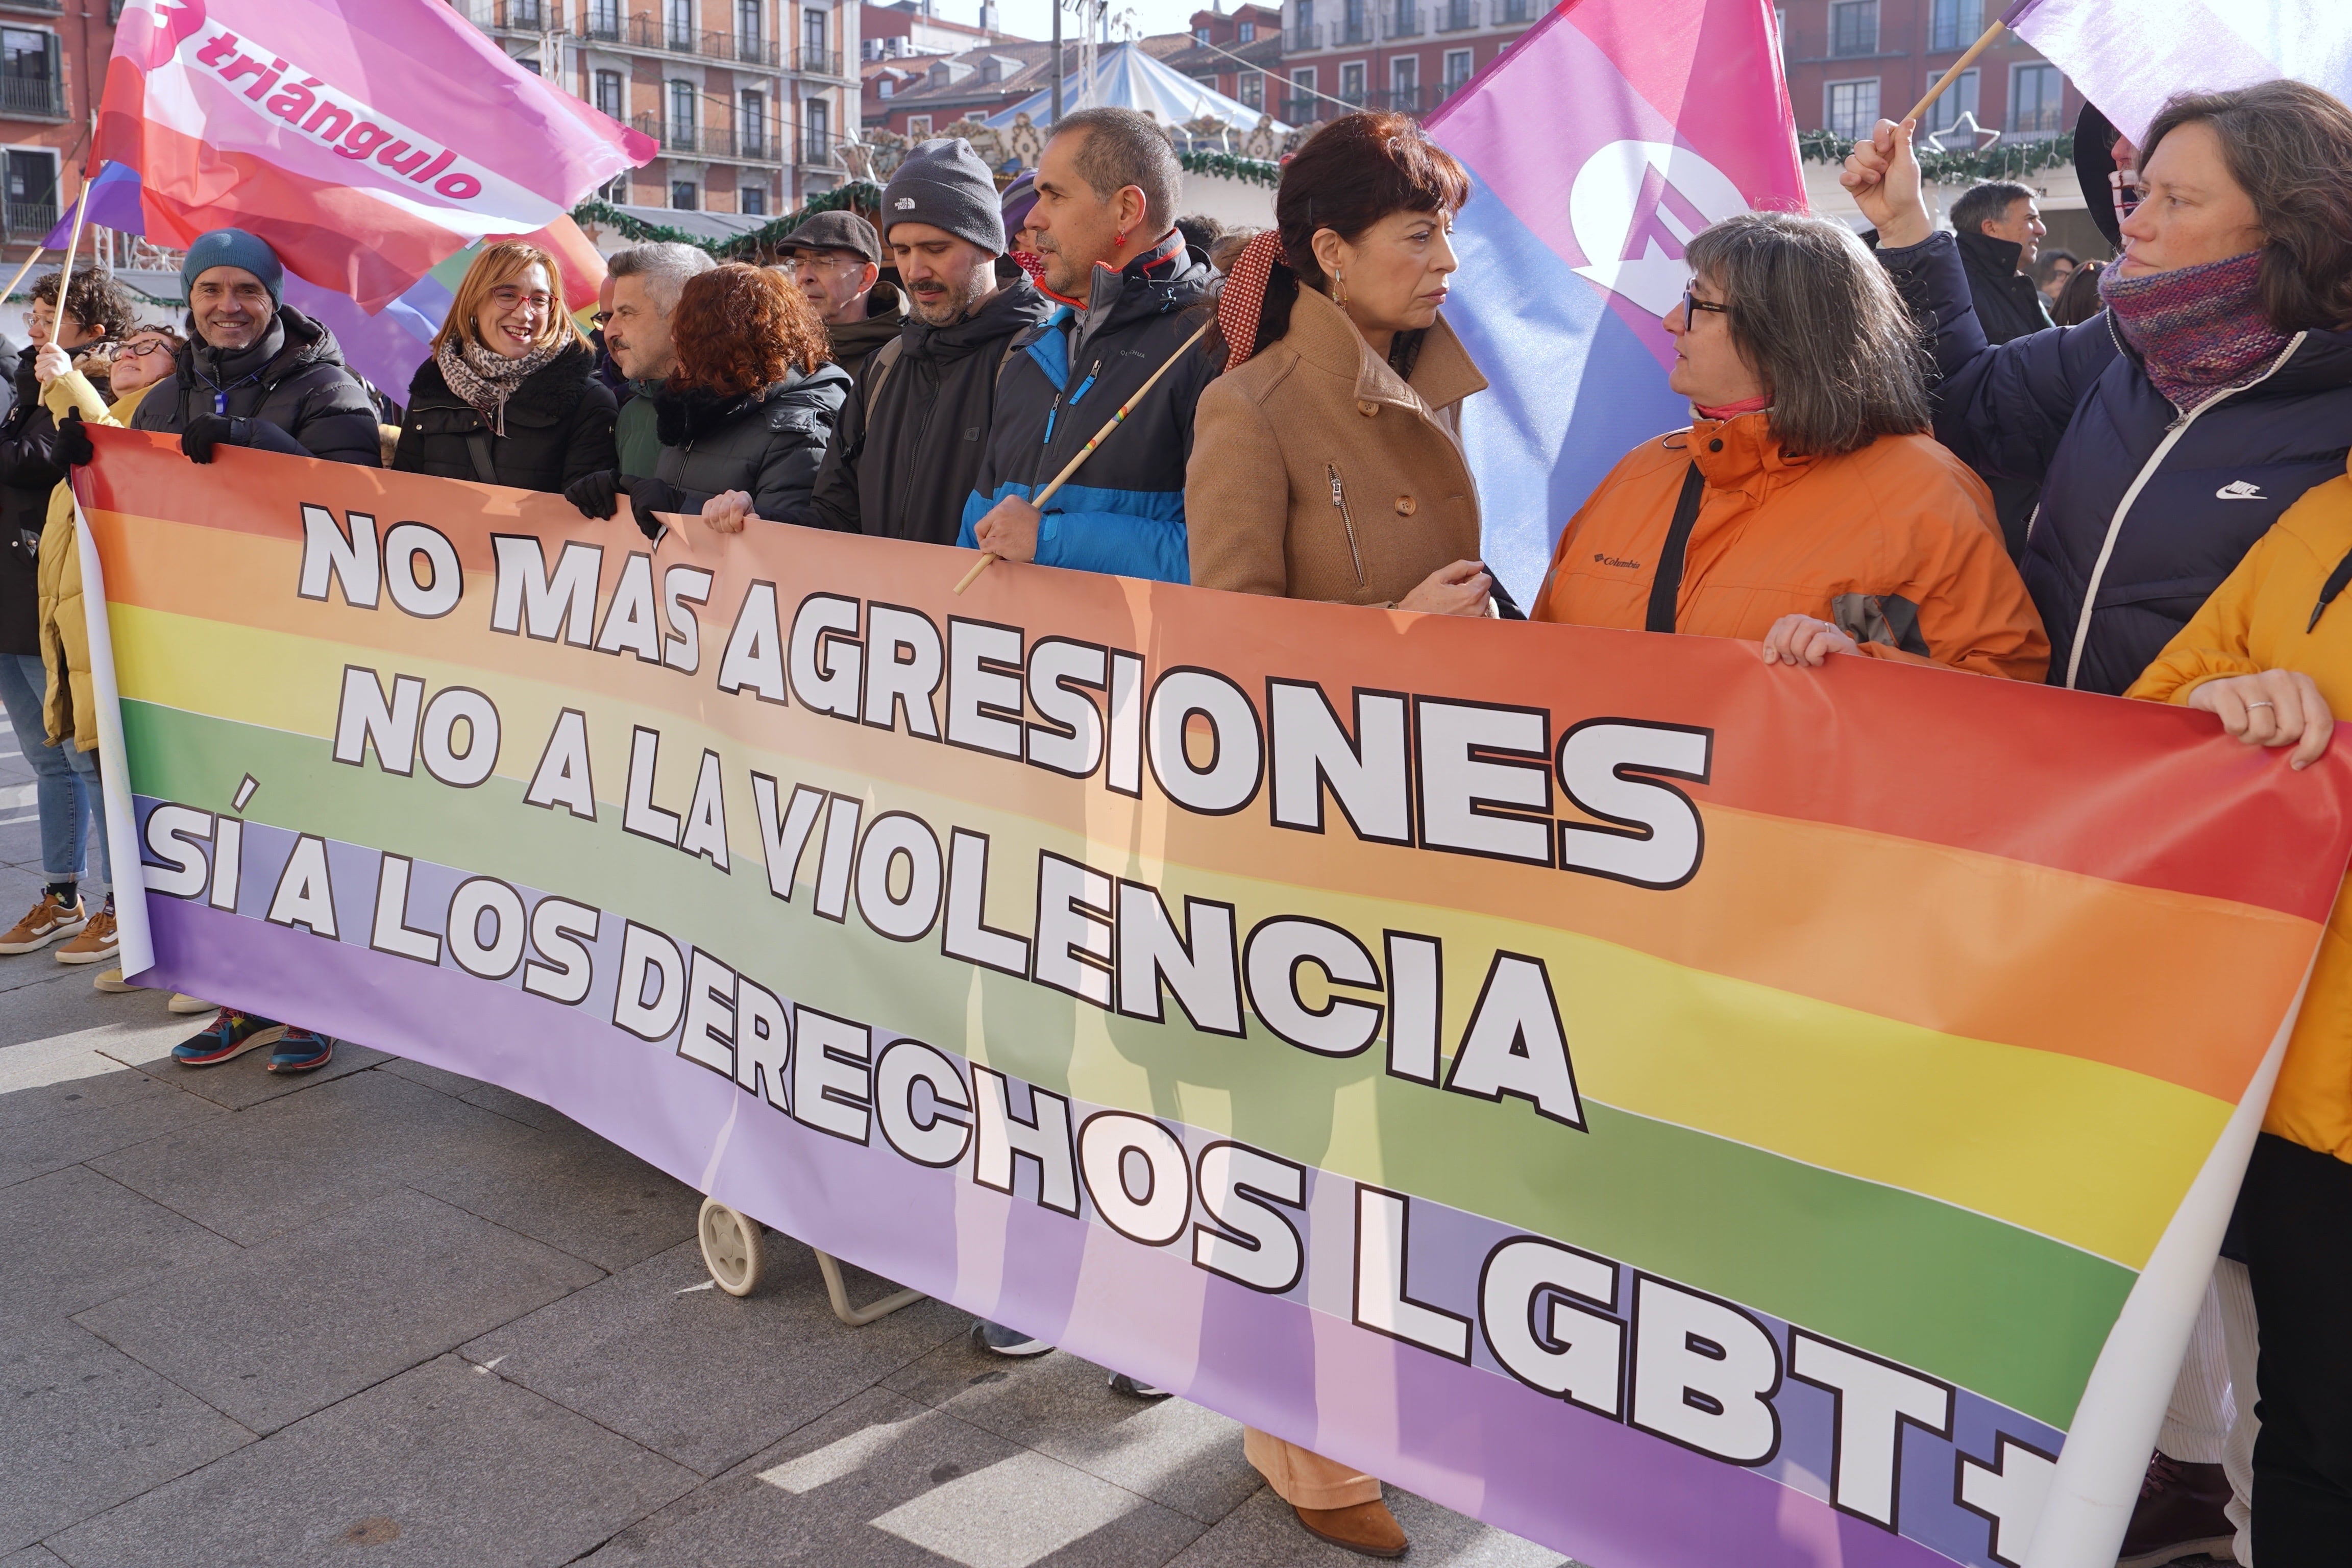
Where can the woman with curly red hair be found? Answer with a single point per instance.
(745, 417)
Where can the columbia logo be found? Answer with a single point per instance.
(2239, 489)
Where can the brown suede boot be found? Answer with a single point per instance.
(2180, 1514)
(1367, 1529)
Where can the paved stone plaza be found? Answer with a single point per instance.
(384, 1313)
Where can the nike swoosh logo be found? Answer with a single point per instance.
(2239, 489)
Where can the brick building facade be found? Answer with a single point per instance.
(53, 56)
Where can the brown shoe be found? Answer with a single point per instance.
(98, 940)
(2180, 1514)
(47, 921)
(1367, 1529)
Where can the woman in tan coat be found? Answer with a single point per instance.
(1325, 461)
(1325, 465)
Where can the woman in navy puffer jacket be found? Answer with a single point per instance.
(2171, 430)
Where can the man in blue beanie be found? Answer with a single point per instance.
(255, 372)
(257, 375)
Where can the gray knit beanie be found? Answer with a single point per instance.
(944, 184)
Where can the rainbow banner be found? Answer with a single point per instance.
(1684, 1111)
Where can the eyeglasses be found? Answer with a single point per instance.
(1692, 304)
(506, 297)
(823, 261)
(600, 318)
(135, 349)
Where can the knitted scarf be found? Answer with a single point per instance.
(2199, 331)
(487, 378)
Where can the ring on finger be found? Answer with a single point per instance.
(2252, 706)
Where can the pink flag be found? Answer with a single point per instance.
(364, 139)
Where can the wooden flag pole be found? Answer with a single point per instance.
(1042, 496)
(73, 240)
(1963, 63)
(38, 251)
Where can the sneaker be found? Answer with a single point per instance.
(300, 1050)
(182, 1002)
(49, 920)
(111, 980)
(2180, 1514)
(997, 1338)
(98, 940)
(1122, 1384)
(229, 1036)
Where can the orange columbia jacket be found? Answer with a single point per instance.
(1895, 543)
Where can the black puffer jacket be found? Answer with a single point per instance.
(29, 471)
(291, 388)
(768, 443)
(905, 453)
(558, 427)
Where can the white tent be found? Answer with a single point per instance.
(1127, 78)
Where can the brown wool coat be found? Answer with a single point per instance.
(1318, 473)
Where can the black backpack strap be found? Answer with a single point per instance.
(477, 447)
(1667, 583)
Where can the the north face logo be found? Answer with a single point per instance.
(904, 204)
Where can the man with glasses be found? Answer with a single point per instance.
(836, 258)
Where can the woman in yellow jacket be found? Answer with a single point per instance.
(70, 706)
(2270, 655)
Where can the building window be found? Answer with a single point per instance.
(683, 196)
(605, 19)
(1850, 108)
(680, 130)
(751, 200)
(818, 118)
(1955, 23)
(1245, 33)
(2034, 94)
(616, 189)
(29, 82)
(747, 20)
(917, 126)
(31, 191)
(1958, 99)
(1405, 83)
(609, 95)
(751, 124)
(1351, 83)
(1303, 105)
(813, 32)
(1252, 89)
(681, 24)
(1854, 27)
(1457, 68)
(890, 85)
(1200, 34)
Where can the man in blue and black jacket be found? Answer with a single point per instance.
(1106, 223)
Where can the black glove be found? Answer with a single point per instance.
(594, 494)
(207, 431)
(73, 448)
(648, 495)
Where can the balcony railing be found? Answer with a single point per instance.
(1406, 99)
(1354, 31)
(30, 220)
(1299, 39)
(1456, 16)
(818, 62)
(817, 153)
(752, 144)
(650, 34)
(43, 97)
(1404, 22)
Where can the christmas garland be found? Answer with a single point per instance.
(2002, 161)
(862, 195)
(1232, 166)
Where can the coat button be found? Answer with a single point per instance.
(1407, 506)
(1715, 446)
(1368, 409)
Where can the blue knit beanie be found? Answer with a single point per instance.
(233, 247)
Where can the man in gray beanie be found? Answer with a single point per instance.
(908, 444)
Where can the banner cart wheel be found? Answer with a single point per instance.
(731, 1248)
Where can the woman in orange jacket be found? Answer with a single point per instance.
(2270, 655)
(1806, 507)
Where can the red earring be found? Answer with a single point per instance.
(1121, 243)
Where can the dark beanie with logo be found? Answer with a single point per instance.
(944, 184)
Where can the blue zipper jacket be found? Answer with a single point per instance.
(2145, 509)
(1123, 510)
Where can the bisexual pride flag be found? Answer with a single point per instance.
(1608, 136)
